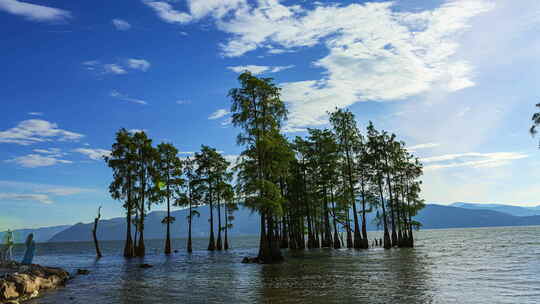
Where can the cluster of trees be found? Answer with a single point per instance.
(306, 190)
(144, 175)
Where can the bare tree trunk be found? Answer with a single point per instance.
(94, 233)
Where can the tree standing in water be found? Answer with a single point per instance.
(168, 180)
(258, 110)
(211, 167)
(122, 161)
(189, 197)
(145, 157)
(346, 133)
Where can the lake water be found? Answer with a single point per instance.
(490, 265)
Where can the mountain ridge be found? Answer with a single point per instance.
(434, 216)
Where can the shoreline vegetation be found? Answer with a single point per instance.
(305, 190)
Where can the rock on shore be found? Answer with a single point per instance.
(23, 282)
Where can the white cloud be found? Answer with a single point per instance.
(471, 159)
(166, 12)
(124, 97)
(226, 122)
(121, 25)
(38, 160)
(137, 130)
(53, 152)
(217, 8)
(218, 114)
(42, 198)
(113, 68)
(36, 130)
(35, 113)
(374, 51)
(34, 12)
(24, 191)
(120, 68)
(198, 9)
(95, 154)
(138, 64)
(423, 146)
(41, 188)
(258, 69)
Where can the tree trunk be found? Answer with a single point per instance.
(211, 243)
(189, 248)
(168, 238)
(386, 242)
(128, 247)
(226, 244)
(392, 213)
(219, 243)
(94, 234)
(348, 227)
(264, 249)
(365, 242)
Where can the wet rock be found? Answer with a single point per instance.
(27, 280)
(8, 290)
(83, 271)
(146, 266)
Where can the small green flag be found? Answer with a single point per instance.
(161, 185)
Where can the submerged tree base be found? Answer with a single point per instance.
(258, 260)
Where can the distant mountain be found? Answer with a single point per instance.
(115, 229)
(513, 210)
(438, 216)
(432, 217)
(41, 235)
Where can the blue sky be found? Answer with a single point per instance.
(457, 80)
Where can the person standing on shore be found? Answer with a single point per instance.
(9, 246)
(30, 249)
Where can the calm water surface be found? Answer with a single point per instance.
(491, 265)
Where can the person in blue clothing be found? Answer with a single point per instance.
(30, 249)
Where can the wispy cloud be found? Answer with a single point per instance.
(35, 113)
(95, 154)
(167, 13)
(38, 160)
(34, 12)
(37, 130)
(183, 102)
(471, 159)
(138, 64)
(218, 114)
(41, 198)
(113, 68)
(121, 25)
(42, 193)
(375, 52)
(124, 97)
(423, 146)
(57, 190)
(119, 68)
(259, 69)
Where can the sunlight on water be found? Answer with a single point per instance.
(491, 265)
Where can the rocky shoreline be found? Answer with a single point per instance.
(22, 282)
